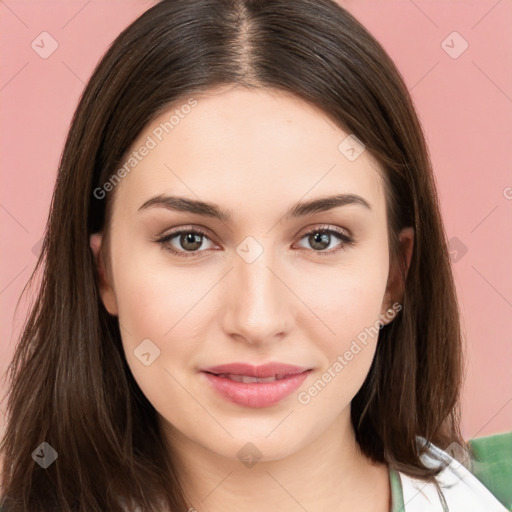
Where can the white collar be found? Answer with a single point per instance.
(462, 491)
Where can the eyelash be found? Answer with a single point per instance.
(347, 241)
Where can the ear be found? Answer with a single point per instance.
(105, 287)
(393, 298)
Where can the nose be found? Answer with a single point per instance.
(259, 306)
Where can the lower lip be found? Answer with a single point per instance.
(256, 394)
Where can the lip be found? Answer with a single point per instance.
(261, 371)
(256, 394)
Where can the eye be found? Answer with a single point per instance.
(191, 240)
(320, 239)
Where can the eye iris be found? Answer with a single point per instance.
(320, 238)
(192, 238)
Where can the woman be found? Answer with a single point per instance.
(247, 300)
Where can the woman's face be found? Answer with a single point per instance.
(263, 284)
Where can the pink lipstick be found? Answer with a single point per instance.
(255, 386)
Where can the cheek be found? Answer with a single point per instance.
(157, 308)
(153, 294)
(347, 303)
(346, 299)
(158, 314)
(345, 338)
(160, 305)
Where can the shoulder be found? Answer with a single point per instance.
(485, 486)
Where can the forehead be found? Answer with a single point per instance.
(244, 147)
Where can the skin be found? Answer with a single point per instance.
(254, 153)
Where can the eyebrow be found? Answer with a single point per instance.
(206, 209)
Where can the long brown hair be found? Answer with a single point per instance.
(70, 383)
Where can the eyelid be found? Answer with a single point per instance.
(325, 227)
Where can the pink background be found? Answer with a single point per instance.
(465, 105)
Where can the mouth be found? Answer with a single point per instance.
(247, 378)
(263, 371)
(255, 386)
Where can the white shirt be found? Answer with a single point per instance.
(462, 491)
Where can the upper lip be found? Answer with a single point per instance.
(261, 371)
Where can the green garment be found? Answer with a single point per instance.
(493, 465)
